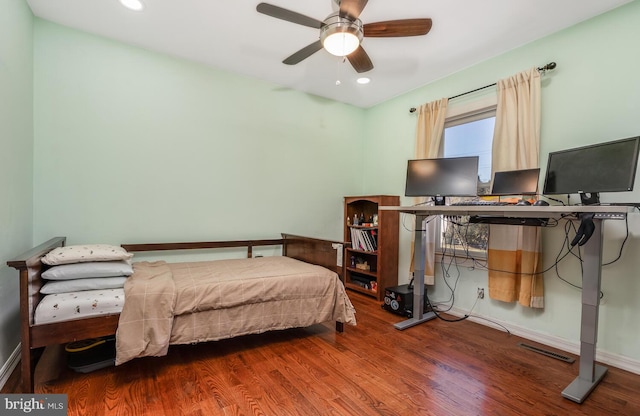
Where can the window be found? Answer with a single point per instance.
(469, 134)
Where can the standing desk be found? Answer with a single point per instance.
(590, 373)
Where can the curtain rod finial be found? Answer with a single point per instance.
(548, 67)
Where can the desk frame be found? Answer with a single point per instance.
(590, 373)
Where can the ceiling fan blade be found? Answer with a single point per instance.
(288, 15)
(303, 53)
(352, 8)
(360, 60)
(397, 28)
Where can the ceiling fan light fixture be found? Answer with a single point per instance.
(341, 43)
(135, 5)
(340, 36)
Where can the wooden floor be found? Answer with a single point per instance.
(437, 368)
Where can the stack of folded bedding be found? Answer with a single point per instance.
(82, 281)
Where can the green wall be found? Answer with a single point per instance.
(16, 161)
(592, 96)
(136, 146)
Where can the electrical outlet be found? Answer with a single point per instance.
(480, 293)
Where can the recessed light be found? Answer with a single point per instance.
(133, 4)
(363, 80)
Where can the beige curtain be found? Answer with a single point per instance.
(431, 118)
(514, 255)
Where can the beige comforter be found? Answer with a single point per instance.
(180, 303)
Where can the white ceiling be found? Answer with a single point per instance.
(233, 36)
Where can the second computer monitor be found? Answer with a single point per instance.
(516, 182)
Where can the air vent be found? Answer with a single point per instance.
(547, 353)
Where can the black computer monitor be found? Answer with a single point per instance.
(590, 170)
(442, 177)
(516, 182)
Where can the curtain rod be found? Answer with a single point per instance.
(548, 67)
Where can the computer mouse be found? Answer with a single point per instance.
(523, 202)
(540, 203)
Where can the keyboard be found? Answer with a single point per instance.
(535, 222)
(481, 203)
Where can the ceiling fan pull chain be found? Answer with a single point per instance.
(338, 82)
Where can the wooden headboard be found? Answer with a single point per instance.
(30, 268)
(324, 253)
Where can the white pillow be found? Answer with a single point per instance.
(85, 253)
(88, 269)
(77, 285)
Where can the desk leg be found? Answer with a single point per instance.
(418, 280)
(590, 372)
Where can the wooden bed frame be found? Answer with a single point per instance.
(36, 337)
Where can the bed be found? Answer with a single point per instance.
(209, 318)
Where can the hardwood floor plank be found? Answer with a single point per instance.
(255, 388)
(436, 368)
(266, 387)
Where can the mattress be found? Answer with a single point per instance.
(77, 305)
(182, 303)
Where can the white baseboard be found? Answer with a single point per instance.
(615, 360)
(9, 366)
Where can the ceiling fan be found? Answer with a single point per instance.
(341, 33)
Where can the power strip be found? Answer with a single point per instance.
(610, 215)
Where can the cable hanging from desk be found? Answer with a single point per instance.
(542, 69)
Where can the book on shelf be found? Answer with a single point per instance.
(364, 239)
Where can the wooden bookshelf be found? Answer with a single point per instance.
(372, 242)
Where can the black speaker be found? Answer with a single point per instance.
(399, 300)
